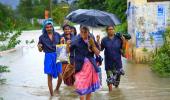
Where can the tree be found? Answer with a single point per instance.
(92, 4)
(5, 12)
(9, 28)
(25, 8)
(117, 7)
(33, 8)
(59, 13)
(3, 69)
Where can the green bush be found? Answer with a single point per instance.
(121, 28)
(9, 28)
(59, 13)
(9, 35)
(161, 58)
(3, 69)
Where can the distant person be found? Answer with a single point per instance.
(99, 61)
(113, 47)
(47, 43)
(82, 51)
(73, 30)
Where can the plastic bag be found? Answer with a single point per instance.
(62, 54)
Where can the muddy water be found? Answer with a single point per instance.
(26, 81)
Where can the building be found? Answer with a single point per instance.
(147, 21)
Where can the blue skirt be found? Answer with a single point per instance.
(50, 66)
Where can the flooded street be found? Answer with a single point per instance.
(27, 81)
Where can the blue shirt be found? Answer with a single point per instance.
(48, 45)
(112, 51)
(78, 52)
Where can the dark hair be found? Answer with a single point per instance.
(44, 28)
(109, 26)
(72, 27)
(85, 28)
(81, 25)
(66, 26)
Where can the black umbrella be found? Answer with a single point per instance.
(92, 18)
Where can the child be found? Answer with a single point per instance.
(99, 60)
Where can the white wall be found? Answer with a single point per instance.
(145, 22)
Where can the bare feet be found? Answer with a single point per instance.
(50, 98)
(56, 91)
(110, 87)
(51, 94)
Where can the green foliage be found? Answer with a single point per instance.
(117, 7)
(3, 36)
(3, 69)
(145, 50)
(33, 8)
(9, 28)
(92, 4)
(5, 16)
(59, 13)
(29, 42)
(161, 58)
(13, 40)
(3, 47)
(27, 25)
(25, 8)
(122, 28)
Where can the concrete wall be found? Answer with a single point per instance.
(147, 23)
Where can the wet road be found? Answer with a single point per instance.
(26, 81)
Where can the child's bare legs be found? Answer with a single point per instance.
(110, 87)
(82, 97)
(88, 96)
(59, 81)
(50, 85)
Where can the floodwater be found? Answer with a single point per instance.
(26, 81)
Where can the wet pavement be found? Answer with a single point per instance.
(26, 81)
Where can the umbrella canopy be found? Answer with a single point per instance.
(93, 18)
